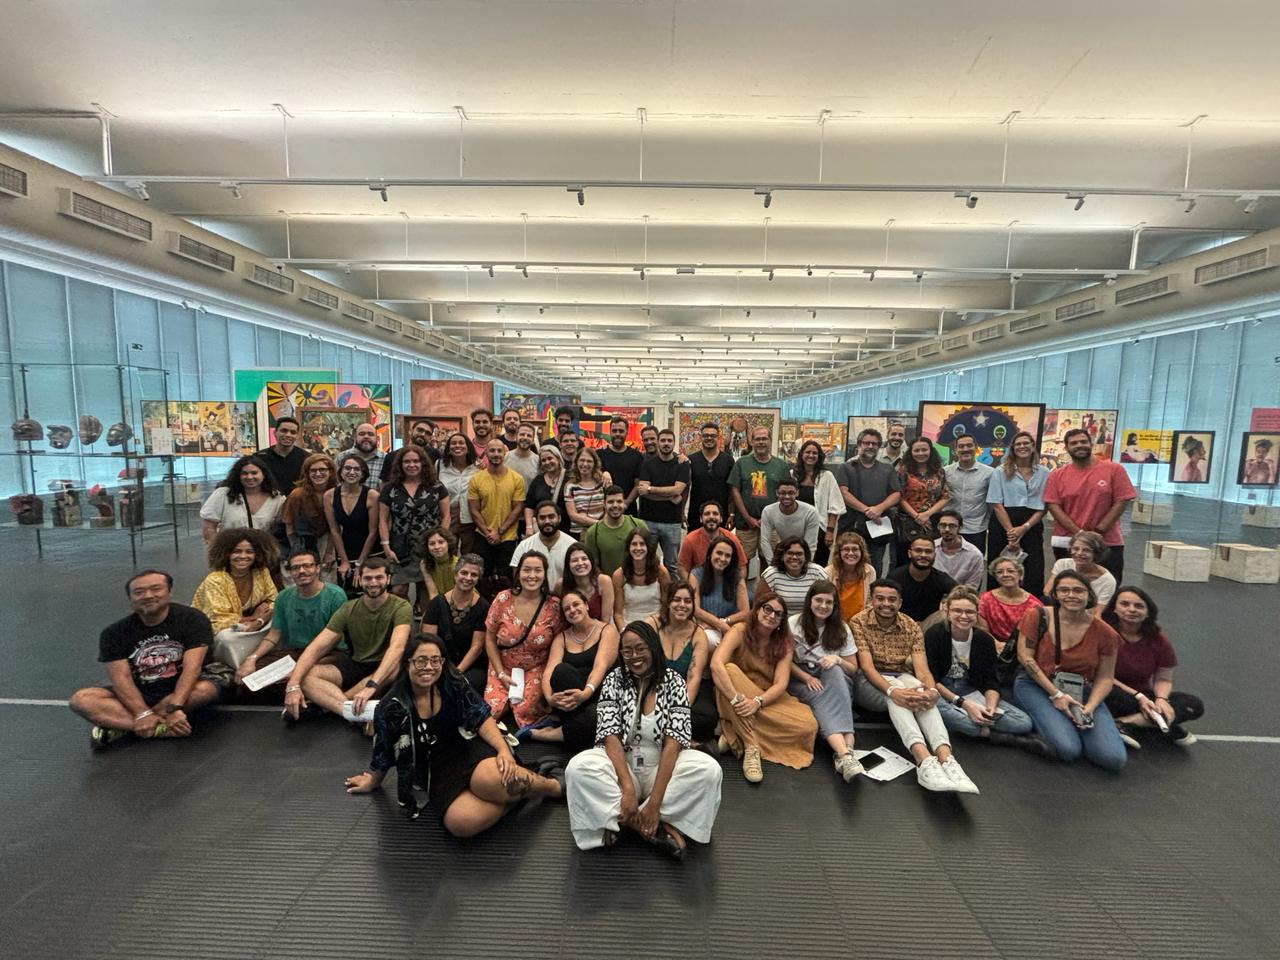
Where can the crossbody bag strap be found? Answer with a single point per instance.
(529, 626)
(1057, 640)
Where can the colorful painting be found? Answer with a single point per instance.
(1192, 456)
(593, 423)
(1259, 460)
(441, 428)
(830, 436)
(199, 428)
(250, 382)
(1146, 446)
(539, 409)
(329, 429)
(291, 399)
(1101, 425)
(450, 398)
(992, 425)
(735, 423)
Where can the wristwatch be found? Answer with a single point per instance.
(371, 684)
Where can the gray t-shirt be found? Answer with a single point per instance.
(869, 484)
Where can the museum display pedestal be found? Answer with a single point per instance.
(1152, 514)
(1245, 563)
(184, 492)
(1175, 560)
(1258, 515)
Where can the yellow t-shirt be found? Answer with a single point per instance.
(497, 495)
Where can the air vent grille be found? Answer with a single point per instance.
(904, 356)
(387, 323)
(928, 350)
(320, 298)
(271, 279)
(983, 334)
(357, 312)
(1028, 323)
(1233, 267)
(957, 342)
(200, 253)
(13, 181)
(1159, 287)
(1074, 311)
(413, 331)
(87, 210)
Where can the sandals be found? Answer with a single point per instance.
(667, 839)
(526, 732)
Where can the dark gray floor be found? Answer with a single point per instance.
(241, 842)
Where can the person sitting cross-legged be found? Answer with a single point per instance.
(154, 659)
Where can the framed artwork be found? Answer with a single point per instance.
(441, 427)
(1192, 456)
(593, 423)
(829, 436)
(539, 409)
(329, 429)
(438, 399)
(1146, 446)
(1101, 425)
(1259, 459)
(199, 428)
(992, 425)
(789, 440)
(372, 401)
(735, 423)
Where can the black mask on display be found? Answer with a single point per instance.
(90, 428)
(119, 434)
(59, 436)
(27, 429)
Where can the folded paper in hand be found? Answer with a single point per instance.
(882, 527)
(273, 673)
(365, 716)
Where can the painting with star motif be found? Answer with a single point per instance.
(992, 426)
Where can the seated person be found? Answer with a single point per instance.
(954, 555)
(720, 590)
(962, 659)
(1001, 609)
(547, 539)
(694, 547)
(922, 587)
(456, 617)
(301, 612)
(685, 646)
(581, 655)
(439, 559)
(374, 628)
(471, 783)
(581, 574)
(1143, 687)
(823, 666)
(238, 595)
(791, 573)
(1087, 553)
(641, 774)
(154, 661)
(895, 677)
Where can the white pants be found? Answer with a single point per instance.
(231, 646)
(595, 798)
(924, 727)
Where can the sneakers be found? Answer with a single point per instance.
(102, 737)
(1126, 734)
(931, 776)
(752, 771)
(955, 773)
(1181, 736)
(848, 767)
(722, 746)
(1034, 743)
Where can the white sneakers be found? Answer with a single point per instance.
(946, 777)
(848, 767)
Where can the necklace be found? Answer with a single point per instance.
(571, 635)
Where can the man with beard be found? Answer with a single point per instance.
(709, 475)
(154, 659)
(523, 459)
(564, 418)
(693, 552)
(753, 484)
(495, 497)
(364, 444)
(604, 538)
(1089, 494)
(955, 555)
(375, 628)
(482, 430)
(871, 488)
(649, 440)
(510, 428)
(283, 459)
(922, 586)
(660, 490)
(622, 462)
(892, 451)
(550, 541)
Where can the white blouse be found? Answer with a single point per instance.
(228, 515)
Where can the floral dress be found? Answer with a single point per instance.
(529, 653)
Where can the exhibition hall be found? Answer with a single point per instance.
(676, 478)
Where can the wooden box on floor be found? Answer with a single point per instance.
(1258, 515)
(1175, 560)
(1152, 514)
(1245, 563)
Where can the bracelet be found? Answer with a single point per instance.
(1057, 695)
(143, 714)
(293, 687)
(591, 685)
(759, 700)
(737, 699)
(385, 543)
(252, 656)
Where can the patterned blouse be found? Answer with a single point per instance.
(412, 516)
(617, 712)
(922, 492)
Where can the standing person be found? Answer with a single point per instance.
(547, 485)
(565, 417)
(895, 440)
(523, 458)
(284, 459)
(1068, 642)
(638, 584)
(511, 429)
(303, 514)
(817, 487)
(924, 493)
(660, 489)
(607, 537)
(955, 555)
(759, 719)
(823, 665)
(788, 517)
(1089, 494)
(851, 573)
(411, 502)
(238, 594)
(154, 660)
(581, 654)
(548, 539)
(622, 462)
(351, 513)
(521, 624)
(693, 550)
(457, 618)
(870, 489)
(720, 589)
(791, 573)
(709, 469)
(1002, 608)
(649, 440)
(753, 485)
(482, 431)
(457, 467)
(1088, 555)
(569, 445)
(584, 488)
(582, 574)
(685, 647)
(495, 497)
(921, 588)
(246, 498)
(969, 482)
(1016, 495)
(364, 444)
(895, 678)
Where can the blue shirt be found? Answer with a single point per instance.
(1018, 492)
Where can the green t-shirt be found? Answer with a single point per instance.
(605, 543)
(758, 482)
(300, 619)
(367, 631)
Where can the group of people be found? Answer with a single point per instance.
(610, 630)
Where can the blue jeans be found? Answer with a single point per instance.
(1014, 720)
(1101, 744)
(669, 535)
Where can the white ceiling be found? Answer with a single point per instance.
(918, 93)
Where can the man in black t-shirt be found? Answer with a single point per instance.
(710, 468)
(284, 457)
(923, 587)
(660, 488)
(154, 661)
(620, 461)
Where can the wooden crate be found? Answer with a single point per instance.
(1152, 514)
(1175, 560)
(1245, 563)
(1258, 515)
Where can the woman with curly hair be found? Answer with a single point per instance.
(924, 493)
(819, 489)
(851, 571)
(439, 552)
(411, 502)
(246, 498)
(304, 517)
(584, 485)
(238, 594)
(791, 573)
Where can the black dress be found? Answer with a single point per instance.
(572, 673)
(455, 628)
(444, 759)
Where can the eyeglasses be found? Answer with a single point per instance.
(422, 663)
(774, 612)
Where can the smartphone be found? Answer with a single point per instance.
(871, 761)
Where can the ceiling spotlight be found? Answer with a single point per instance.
(498, 310)
(814, 315)
(919, 275)
(540, 310)
(139, 188)
(1078, 198)
(871, 276)
(577, 335)
(748, 312)
(1250, 202)
(808, 271)
(524, 270)
(379, 188)
(767, 194)
(187, 304)
(578, 189)
(1189, 201)
(970, 199)
(233, 187)
(640, 270)
(487, 266)
(687, 271)
(1110, 279)
(770, 274)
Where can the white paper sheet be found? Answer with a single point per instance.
(272, 673)
(879, 528)
(978, 697)
(1060, 543)
(893, 766)
(350, 715)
